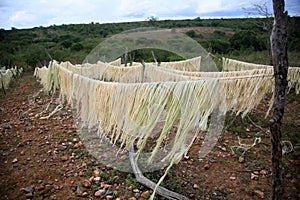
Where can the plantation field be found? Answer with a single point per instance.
(47, 157)
(43, 156)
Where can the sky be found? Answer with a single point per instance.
(33, 13)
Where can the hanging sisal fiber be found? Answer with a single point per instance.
(116, 62)
(128, 112)
(293, 76)
(242, 94)
(243, 89)
(42, 74)
(128, 104)
(266, 71)
(6, 76)
(193, 64)
(106, 71)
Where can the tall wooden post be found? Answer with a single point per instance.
(280, 65)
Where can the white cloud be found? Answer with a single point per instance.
(28, 13)
(221, 6)
(21, 17)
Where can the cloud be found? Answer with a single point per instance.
(28, 13)
(220, 6)
(21, 17)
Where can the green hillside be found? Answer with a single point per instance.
(244, 39)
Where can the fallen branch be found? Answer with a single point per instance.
(37, 94)
(148, 183)
(257, 126)
(58, 108)
(47, 107)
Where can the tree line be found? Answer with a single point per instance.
(37, 46)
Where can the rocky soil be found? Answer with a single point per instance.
(45, 159)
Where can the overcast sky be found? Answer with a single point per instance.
(32, 13)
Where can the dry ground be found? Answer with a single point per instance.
(44, 159)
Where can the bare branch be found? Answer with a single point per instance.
(150, 184)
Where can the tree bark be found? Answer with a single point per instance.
(280, 65)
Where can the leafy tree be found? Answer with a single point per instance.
(244, 40)
(191, 33)
(219, 46)
(77, 47)
(219, 34)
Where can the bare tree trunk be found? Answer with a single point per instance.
(143, 71)
(126, 57)
(280, 65)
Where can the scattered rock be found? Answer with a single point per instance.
(146, 194)
(39, 188)
(65, 158)
(79, 191)
(48, 187)
(79, 144)
(195, 186)
(136, 190)
(86, 183)
(254, 176)
(81, 173)
(85, 194)
(97, 179)
(241, 159)
(109, 197)
(22, 153)
(100, 193)
(29, 195)
(263, 172)
(289, 175)
(232, 177)
(95, 173)
(15, 160)
(137, 195)
(190, 162)
(259, 193)
(108, 192)
(206, 166)
(6, 126)
(29, 189)
(105, 186)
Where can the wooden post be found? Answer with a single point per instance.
(126, 57)
(154, 58)
(280, 66)
(143, 71)
(131, 59)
